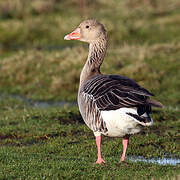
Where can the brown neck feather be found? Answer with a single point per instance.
(97, 51)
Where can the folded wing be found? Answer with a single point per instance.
(111, 92)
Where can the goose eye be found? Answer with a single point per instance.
(87, 27)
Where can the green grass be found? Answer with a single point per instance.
(54, 75)
(36, 63)
(54, 143)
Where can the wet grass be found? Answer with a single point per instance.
(54, 143)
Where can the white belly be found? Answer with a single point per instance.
(119, 123)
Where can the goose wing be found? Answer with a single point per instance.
(111, 92)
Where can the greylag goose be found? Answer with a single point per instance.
(111, 105)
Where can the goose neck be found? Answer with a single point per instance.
(97, 51)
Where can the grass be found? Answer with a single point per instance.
(36, 63)
(54, 143)
(54, 75)
(39, 64)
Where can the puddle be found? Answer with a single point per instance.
(162, 161)
(43, 104)
(40, 104)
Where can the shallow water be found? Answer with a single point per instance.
(40, 104)
(161, 161)
(46, 104)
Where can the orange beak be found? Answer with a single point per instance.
(75, 35)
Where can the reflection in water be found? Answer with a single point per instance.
(161, 161)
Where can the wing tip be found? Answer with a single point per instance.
(155, 103)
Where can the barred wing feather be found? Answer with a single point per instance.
(111, 92)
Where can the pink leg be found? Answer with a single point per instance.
(98, 142)
(125, 145)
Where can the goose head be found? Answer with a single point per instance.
(88, 31)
